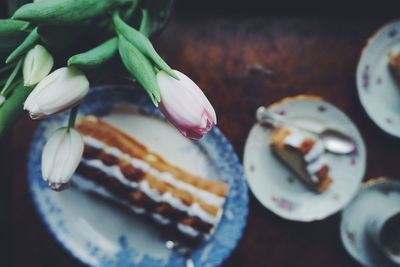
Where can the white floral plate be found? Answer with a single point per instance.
(378, 92)
(100, 233)
(277, 188)
(375, 195)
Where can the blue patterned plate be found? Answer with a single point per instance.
(100, 233)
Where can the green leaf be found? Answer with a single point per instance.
(12, 108)
(142, 43)
(65, 11)
(130, 10)
(145, 24)
(159, 13)
(96, 56)
(9, 41)
(140, 67)
(27, 44)
(8, 26)
(13, 5)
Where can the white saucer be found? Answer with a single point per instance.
(277, 188)
(378, 92)
(373, 196)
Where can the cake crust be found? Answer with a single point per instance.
(93, 127)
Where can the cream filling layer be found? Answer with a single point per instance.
(316, 151)
(87, 185)
(203, 195)
(192, 210)
(188, 230)
(296, 139)
(316, 165)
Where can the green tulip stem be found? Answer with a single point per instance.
(7, 87)
(12, 108)
(72, 117)
(12, 87)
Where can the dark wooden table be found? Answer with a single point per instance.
(241, 60)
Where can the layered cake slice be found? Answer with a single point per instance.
(303, 155)
(117, 166)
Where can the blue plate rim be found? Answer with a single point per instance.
(215, 131)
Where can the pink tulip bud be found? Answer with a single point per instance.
(185, 105)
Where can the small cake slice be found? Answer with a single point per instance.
(119, 167)
(394, 66)
(303, 155)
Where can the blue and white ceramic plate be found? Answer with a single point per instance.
(377, 89)
(278, 189)
(100, 233)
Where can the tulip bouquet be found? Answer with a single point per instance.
(47, 69)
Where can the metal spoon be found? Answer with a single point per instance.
(333, 140)
(182, 250)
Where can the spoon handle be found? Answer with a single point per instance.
(264, 115)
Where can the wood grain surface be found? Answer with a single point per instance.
(241, 62)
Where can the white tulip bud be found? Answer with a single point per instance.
(60, 90)
(37, 65)
(61, 156)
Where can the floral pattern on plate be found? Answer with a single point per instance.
(268, 177)
(378, 92)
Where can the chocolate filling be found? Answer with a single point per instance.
(90, 152)
(131, 173)
(138, 198)
(108, 159)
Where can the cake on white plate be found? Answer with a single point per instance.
(304, 155)
(119, 167)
